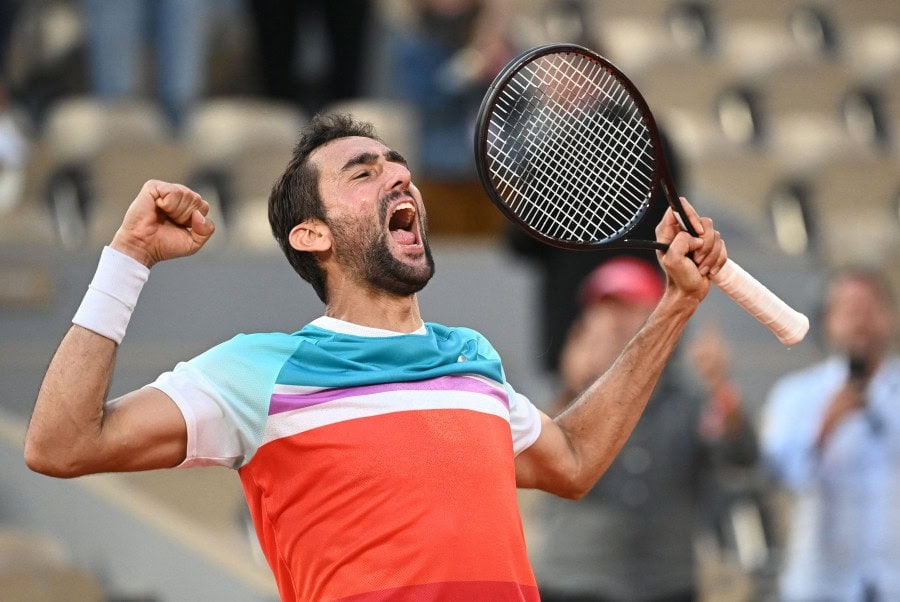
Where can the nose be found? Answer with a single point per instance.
(399, 177)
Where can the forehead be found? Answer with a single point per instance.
(851, 290)
(332, 156)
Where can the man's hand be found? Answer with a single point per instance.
(690, 261)
(164, 221)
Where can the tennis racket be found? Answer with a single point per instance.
(567, 148)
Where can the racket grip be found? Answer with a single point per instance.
(789, 325)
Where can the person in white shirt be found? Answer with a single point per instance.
(831, 437)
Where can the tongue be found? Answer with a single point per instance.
(403, 237)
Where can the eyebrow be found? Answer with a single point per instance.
(367, 158)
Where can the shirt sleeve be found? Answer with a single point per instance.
(224, 397)
(524, 421)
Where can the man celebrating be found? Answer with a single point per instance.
(379, 454)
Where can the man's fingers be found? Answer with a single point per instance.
(709, 237)
(721, 259)
(682, 245)
(202, 226)
(179, 203)
(693, 216)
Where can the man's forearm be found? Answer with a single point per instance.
(602, 418)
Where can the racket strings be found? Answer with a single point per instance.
(582, 123)
(568, 150)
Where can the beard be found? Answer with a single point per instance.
(368, 253)
(384, 271)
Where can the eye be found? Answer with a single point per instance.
(362, 174)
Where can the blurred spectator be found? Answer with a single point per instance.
(14, 145)
(14, 153)
(280, 37)
(443, 65)
(8, 10)
(122, 32)
(43, 54)
(831, 436)
(632, 536)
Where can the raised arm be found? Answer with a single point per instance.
(577, 446)
(73, 430)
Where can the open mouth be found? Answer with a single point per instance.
(402, 224)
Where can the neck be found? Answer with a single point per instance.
(377, 310)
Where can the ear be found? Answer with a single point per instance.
(310, 236)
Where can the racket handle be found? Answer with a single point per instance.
(789, 325)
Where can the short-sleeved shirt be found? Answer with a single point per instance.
(375, 464)
(845, 528)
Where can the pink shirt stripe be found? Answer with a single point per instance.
(286, 402)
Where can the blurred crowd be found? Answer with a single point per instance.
(437, 54)
(84, 78)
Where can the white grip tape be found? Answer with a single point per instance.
(111, 296)
(789, 325)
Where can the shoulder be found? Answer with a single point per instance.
(816, 373)
(802, 386)
(470, 342)
(892, 364)
(248, 349)
(260, 342)
(443, 332)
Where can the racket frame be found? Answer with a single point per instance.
(789, 325)
(662, 178)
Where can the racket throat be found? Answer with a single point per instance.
(629, 243)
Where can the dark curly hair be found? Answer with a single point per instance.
(295, 196)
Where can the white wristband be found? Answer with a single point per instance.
(111, 297)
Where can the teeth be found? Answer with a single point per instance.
(404, 205)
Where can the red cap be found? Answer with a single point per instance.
(626, 278)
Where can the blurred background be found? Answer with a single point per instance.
(784, 115)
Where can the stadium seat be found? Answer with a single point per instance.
(807, 87)
(645, 9)
(101, 152)
(865, 115)
(51, 584)
(791, 216)
(219, 130)
(756, 37)
(869, 36)
(397, 123)
(890, 90)
(683, 83)
(28, 222)
(863, 13)
(801, 108)
(872, 50)
(237, 147)
(636, 35)
(803, 141)
(737, 180)
(696, 134)
(855, 198)
(35, 568)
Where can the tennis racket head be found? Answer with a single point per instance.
(567, 148)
